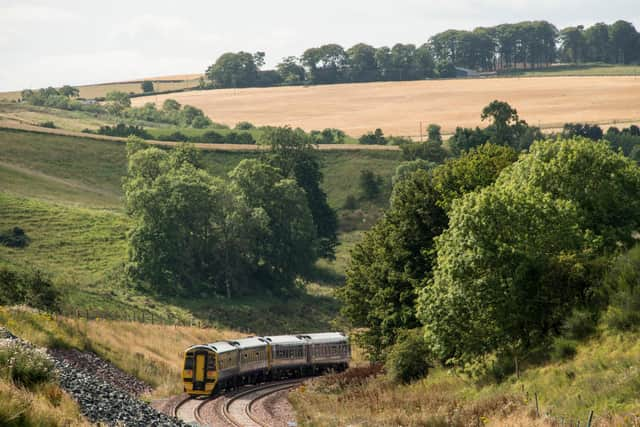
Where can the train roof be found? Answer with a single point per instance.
(221, 346)
(250, 342)
(324, 337)
(284, 339)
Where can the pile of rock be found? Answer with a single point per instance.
(100, 401)
(91, 364)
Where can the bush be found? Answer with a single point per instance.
(563, 349)
(48, 124)
(14, 238)
(30, 288)
(244, 126)
(373, 138)
(239, 138)
(579, 325)
(175, 136)
(25, 366)
(200, 122)
(210, 137)
(124, 131)
(408, 359)
(370, 184)
(623, 286)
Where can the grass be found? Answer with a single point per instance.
(588, 69)
(152, 353)
(47, 406)
(603, 377)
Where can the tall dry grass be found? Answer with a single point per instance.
(152, 353)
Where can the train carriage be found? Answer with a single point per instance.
(288, 356)
(253, 360)
(327, 350)
(209, 367)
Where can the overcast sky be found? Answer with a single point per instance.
(76, 42)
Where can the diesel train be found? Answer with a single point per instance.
(212, 368)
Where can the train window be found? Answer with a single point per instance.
(211, 363)
(188, 363)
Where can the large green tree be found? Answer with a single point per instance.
(235, 69)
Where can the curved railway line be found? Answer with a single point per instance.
(236, 410)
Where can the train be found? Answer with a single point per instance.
(210, 369)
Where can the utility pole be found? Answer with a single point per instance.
(420, 130)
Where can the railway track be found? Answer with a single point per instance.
(237, 410)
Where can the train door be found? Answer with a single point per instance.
(200, 370)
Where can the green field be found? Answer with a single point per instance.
(65, 192)
(596, 69)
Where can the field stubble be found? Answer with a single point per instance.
(399, 107)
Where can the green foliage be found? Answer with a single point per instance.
(405, 169)
(602, 184)
(477, 168)
(431, 151)
(25, 366)
(117, 101)
(123, 130)
(328, 136)
(193, 231)
(623, 286)
(350, 203)
(14, 238)
(508, 268)
(580, 324)
(389, 263)
(370, 184)
(373, 138)
(244, 126)
(235, 70)
(172, 112)
(147, 86)
(563, 349)
(408, 359)
(571, 130)
(294, 154)
(31, 288)
(48, 124)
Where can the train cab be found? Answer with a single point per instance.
(209, 367)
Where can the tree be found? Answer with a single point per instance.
(362, 63)
(624, 42)
(171, 106)
(290, 70)
(604, 192)
(574, 44)
(392, 258)
(147, 86)
(117, 101)
(326, 64)
(69, 91)
(293, 152)
(370, 184)
(373, 138)
(506, 127)
(597, 43)
(506, 273)
(235, 70)
(286, 246)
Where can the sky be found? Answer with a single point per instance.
(51, 43)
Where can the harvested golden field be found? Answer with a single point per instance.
(398, 107)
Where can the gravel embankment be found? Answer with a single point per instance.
(101, 401)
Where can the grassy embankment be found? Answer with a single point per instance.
(65, 193)
(603, 377)
(589, 69)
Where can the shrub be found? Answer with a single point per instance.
(200, 122)
(210, 137)
(579, 325)
(623, 285)
(370, 184)
(48, 124)
(30, 288)
(25, 366)
(123, 130)
(244, 126)
(563, 349)
(408, 359)
(175, 136)
(373, 138)
(14, 238)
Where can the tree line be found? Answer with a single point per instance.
(530, 44)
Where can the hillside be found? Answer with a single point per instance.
(65, 193)
(399, 107)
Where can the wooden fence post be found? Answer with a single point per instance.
(537, 407)
(590, 418)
